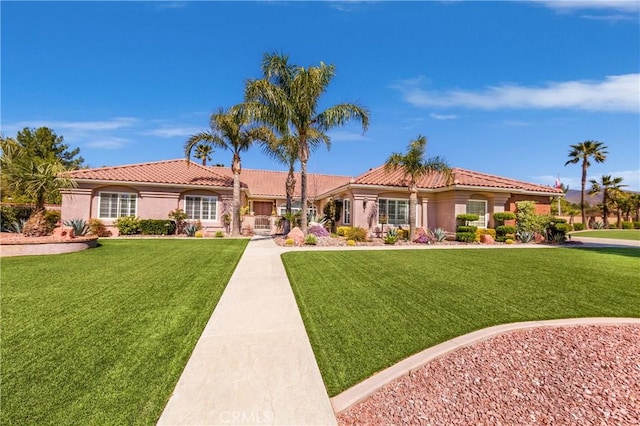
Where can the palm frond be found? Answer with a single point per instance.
(339, 115)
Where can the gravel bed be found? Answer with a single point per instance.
(583, 375)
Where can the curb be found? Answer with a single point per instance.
(368, 387)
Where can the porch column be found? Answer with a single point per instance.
(425, 213)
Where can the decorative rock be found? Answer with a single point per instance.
(296, 235)
(487, 239)
(539, 238)
(63, 232)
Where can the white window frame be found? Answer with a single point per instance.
(295, 208)
(120, 209)
(204, 203)
(483, 220)
(346, 207)
(386, 213)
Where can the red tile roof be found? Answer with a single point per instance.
(267, 183)
(170, 172)
(461, 178)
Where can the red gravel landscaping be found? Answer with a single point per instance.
(583, 375)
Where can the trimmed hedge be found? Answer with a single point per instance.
(466, 237)
(505, 229)
(578, 226)
(157, 227)
(472, 229)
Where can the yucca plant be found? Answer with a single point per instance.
(80, 226)
(525, 236)
(597, 225)
(16, 226)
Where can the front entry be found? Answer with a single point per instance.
(262, 208)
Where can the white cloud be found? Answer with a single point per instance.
(570, 5)
(443, 116)
(107, 143)
(74, 126)
(615, 93)
(344, 136)
(171, 132)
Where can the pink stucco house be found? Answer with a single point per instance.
(152, 190)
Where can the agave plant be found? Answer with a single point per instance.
(16, 226)
(79, 226)
(392, 236)
(525, 236)
(191, 229)
(439, 234)
(597, 225)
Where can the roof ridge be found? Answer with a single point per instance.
(283, 171)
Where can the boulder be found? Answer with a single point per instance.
(296, 235)
(63, 232)
(487, 239)
(539, 238)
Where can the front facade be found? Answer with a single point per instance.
(373, 199)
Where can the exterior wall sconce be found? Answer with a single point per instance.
(365, 201)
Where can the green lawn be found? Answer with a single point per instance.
(102, 336)
(617, 234)
(367, 310)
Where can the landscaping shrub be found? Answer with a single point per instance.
(342, 230)
(500, 217)
(636, 225)
(596, 225)
(219, 234)
(199, 234)
(190, 229)
(180, 219)
(505, 229)
(357, 234)
(525, 236)
(508, 241)
(391, 237)
(627, 225)
(53, 218)
(351, 243)
(526, 218)
(289, 241)
(578, 226)
(612, 226)
(318, 231)
(96, 227)
(485, 231)
(310, 240)
(465, 228)
(128, 225)
(466, 237)
(79, 226)
(464, 218)
(14, 214)
(402, 234)
(157, 227)
(422, 239)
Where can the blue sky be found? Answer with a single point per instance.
(497, 87)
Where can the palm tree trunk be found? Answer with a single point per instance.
(605, 208)
(413, 201)
(304, 157)
(291, 188)
(236, 168)
(584, 184)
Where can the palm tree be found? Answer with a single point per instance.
(231, 130)
(285, 151)
(582, 152)
(414, 167)
(32, 176)
(203, 152)
(609, 187)
(287, 98)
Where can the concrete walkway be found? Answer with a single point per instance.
(601, 242)
(253, 363)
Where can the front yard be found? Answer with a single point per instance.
(102, 336)
(367, 310)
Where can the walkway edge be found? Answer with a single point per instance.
(368, 387)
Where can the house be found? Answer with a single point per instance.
(152, 190)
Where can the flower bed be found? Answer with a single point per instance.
(19, 245)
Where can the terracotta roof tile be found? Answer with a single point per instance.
(170, 172)
(461, 177)
(267, 183)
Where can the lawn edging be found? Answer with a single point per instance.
(368, 387)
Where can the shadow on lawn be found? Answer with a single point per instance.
(621, 251)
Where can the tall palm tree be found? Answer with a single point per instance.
(609, 187)
(285, 151)
(414, 166)
(287, 98)
(582, 152)
(231, 130)
(203, 152)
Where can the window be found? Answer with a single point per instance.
(295, 208)
(203, 208)
(346, 205)
(396, 211)
(117, 204)
(478, 207)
